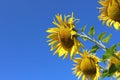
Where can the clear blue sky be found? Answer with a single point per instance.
(24, 52)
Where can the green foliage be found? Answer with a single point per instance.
(119, 44)
(106, 40)
(110, 71)
(101, 36)
(92, 31)
(83, 28)
(94, 49)
(113, 68)
(85, 39)
(109, 52)
(105, 73)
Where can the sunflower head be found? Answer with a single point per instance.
(110, 13)
(87, 67)
(115, 61)
(63, 37)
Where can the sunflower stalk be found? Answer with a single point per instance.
(83, 35)
(99, 43)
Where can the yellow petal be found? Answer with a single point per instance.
(103, 3)
(53, 42)
(112, 22)
(52, 30)
(83, 77)
(54, 47)
(53, 36)
(79, 75)
(61, 52)
(72, 52)
(108, 22)
(59, 18)
(65, 19)
(71, 19)
(55, 23)
(66, 55)
(77, 60)
(116, 25)
(57, 50)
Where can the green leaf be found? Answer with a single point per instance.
(101, 36)
(112, 68)
(83, 28)
(106, 40)
(105, 73)
(118, 67)
(92, 31)
(109, 52)
(94, 49)
(106, 56)
(110, 71)
(119, 44)
(113, 49)
(85, 39)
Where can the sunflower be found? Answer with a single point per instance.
(87, 67)
(63, 37)
(115, 61)
(110, 13)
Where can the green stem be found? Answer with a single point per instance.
(83, 35)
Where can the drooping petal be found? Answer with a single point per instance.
(110, 13)
(87, 67)
(63, 37)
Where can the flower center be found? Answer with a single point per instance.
(88, 66)
(65, 38)
(114, 10)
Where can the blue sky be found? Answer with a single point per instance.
(24, 52)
